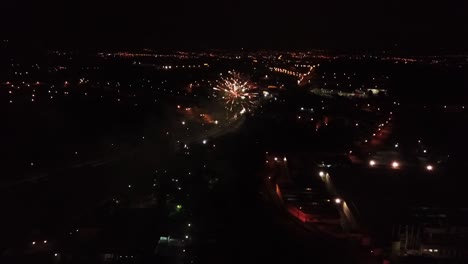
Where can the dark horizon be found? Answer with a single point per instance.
(208, 24)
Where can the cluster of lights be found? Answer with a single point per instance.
(169, 67)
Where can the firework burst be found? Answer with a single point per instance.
(237, 91)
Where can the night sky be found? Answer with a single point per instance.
(233, 24)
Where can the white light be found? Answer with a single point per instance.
(34, 242)
(424, 151)
(56, 255)
(186, 237)
(183, 123)
(337, 200)
(395, 165)
(204, 141)
(284, 159)
(276, 159)
(321, 173)
(429, 167)
(372, 163)
(45, 241)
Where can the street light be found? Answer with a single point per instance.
(429, 167)
(337, 200)
(321, 173)
(372, 163)
(395, 165)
